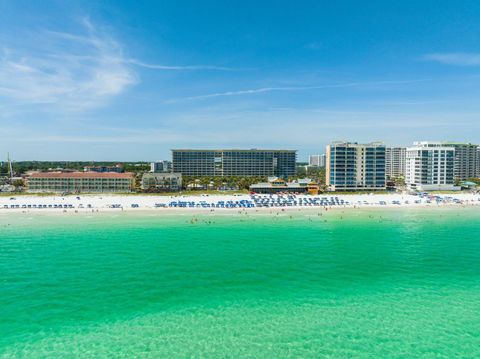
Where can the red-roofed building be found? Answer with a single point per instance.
(75, 182)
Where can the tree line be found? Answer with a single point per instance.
(21, 167)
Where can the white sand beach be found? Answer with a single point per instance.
(227, 202)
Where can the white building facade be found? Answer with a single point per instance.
(161, 167)
(316, 160)
(395, 159)
(430, 167)
(161, 182)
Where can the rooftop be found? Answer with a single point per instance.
(443, 143)
(231, 150)
(356, 144)
(118, 165)
(162, 174)
(430, 146)
(110, 175)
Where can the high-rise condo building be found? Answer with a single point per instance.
(430, 167)
(233, 162)
(161, 166)
(465, 165)
(477, 175)
(395, 158)
(353, 167)
(316, 160)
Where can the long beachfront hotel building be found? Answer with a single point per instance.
(73, 182)
(353, 167)
(234, 162)
(430, 167)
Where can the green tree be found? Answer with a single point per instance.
(18, 183)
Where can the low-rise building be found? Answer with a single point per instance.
(469, 185)
(7, 188)
(75, 182)
(278, 185)
(118, 168)
(161, 182)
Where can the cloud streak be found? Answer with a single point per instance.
(458, 59)
(181, 68)
(292, 89)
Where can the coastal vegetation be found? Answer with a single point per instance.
(220, 183)
(317, 174)
(21, 167)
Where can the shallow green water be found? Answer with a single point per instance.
(398, 283)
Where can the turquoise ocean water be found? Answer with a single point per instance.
(398, 283)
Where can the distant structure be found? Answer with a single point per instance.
(466, 160)
(278, 185)
(395, 158)
(118, 168)
(234, 162)
(316, 160)
(161, 182)
(430, 167)
(75, 182)
(161, 166)
(353, 167)
(10, 168)
(477, 175)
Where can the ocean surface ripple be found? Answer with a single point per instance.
(396, 283)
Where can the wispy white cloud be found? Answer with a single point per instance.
(459, 59)
(292, 88)
(70, 71)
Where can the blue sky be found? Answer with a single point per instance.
(129, 80)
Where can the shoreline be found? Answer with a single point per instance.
(251, 204)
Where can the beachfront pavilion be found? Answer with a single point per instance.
(278, 185)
